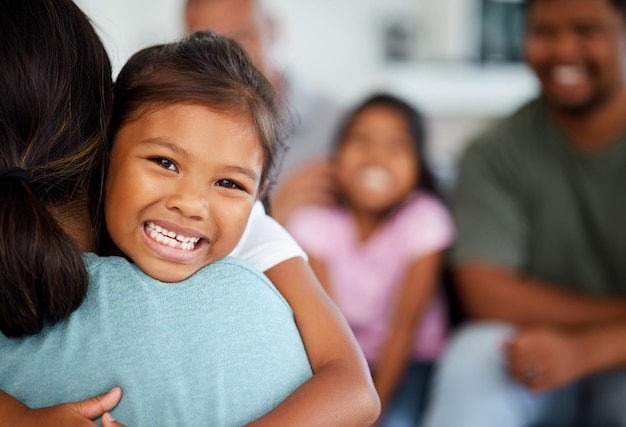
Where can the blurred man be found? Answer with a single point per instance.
(540, 258)
(305, 176)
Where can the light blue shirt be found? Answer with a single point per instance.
(219, 349)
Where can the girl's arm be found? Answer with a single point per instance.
(414, 296)
(14, 413)
(340, 392)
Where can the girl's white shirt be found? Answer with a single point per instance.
(265, 243)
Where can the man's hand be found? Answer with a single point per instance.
(311, 185)
(544, 358)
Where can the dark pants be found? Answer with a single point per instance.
(407, 405)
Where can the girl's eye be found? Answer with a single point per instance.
(165, 163)
(229, 184)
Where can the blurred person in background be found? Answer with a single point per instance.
(539, 257)
(305, 177)
(379, 251)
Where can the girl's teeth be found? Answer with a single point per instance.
(170, 238)
(375, 178)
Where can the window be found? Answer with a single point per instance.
(502, 27)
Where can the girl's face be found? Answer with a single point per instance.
(376, 162)
(180, 188)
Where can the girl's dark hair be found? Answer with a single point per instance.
(415, 121)
(55, 102)
(207, 69)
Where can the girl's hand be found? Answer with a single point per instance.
(70, 414)
(109, 421)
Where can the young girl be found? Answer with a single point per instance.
(195, 139)
(379, 252)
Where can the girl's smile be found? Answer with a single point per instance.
(170, 238)
(171, 245)
(375, 178)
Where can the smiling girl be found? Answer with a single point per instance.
(379, 252)
(193, 336)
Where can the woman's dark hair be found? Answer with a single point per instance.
(415, 123)
(207, 69)
(55, 102)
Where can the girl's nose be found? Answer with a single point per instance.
(189, 201)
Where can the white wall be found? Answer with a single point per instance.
(336, 46)
(126, 26)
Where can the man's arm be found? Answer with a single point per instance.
(489, 291)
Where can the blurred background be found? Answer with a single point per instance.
(460, 61)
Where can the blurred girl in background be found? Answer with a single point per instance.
(379, 252)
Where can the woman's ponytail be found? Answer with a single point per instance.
(42, 273)
(55, 106)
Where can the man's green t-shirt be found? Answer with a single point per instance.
(528, 199)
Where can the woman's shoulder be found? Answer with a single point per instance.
(231, 273)
(106, 266)
(232, 267)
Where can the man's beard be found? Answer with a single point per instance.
(597, 100)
